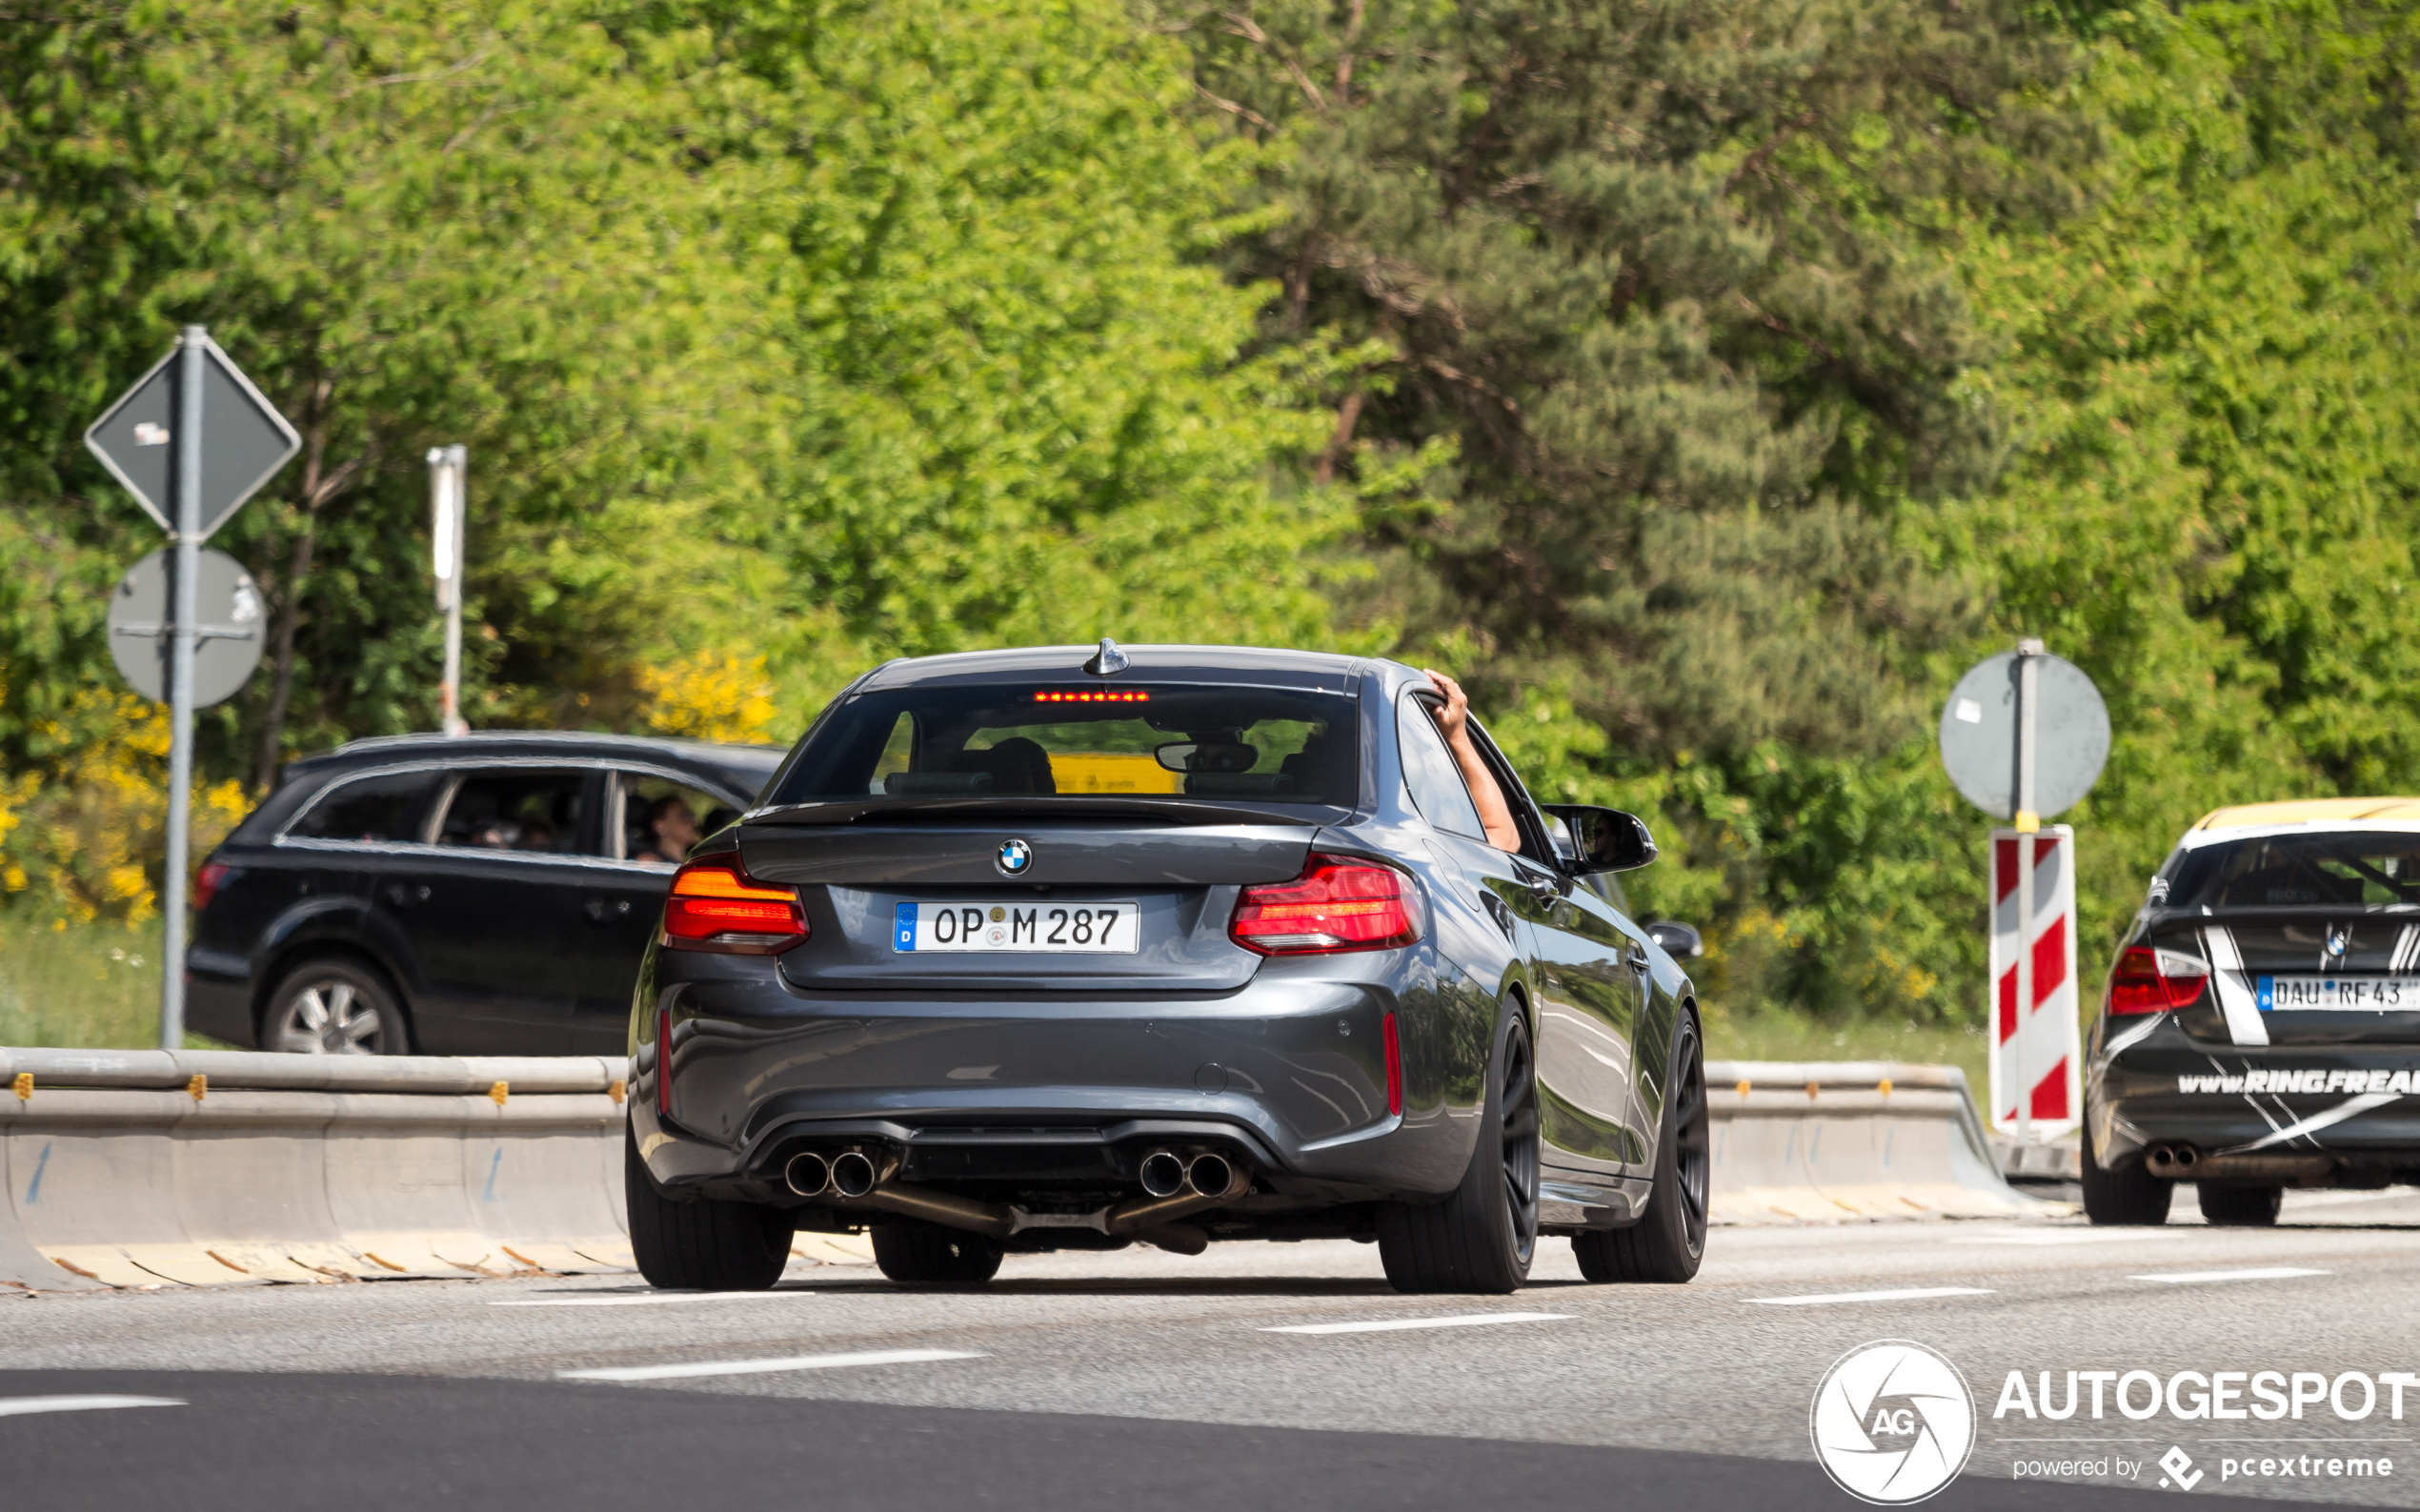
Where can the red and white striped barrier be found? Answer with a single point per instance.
(2037, 1048)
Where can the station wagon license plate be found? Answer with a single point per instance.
(1095, 929)
(2339, 994)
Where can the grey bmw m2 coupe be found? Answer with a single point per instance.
(1081, 948)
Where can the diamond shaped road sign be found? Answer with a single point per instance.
(244, 439)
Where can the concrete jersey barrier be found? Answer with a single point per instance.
(145, 1168)
(1841, 1140)
(132, 1168)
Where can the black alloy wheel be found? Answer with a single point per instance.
(2242, 1206)
(2127, 1197)
(704, 1245)
(929, 1255)
(1668, 1244)
(1481, 1239)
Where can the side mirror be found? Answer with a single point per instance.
(1604, 839)
(1680, 941)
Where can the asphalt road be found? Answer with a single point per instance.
(1138, 1379)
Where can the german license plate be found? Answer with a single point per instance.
(1093, 929)
(2339, 994)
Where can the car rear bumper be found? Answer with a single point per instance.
(2292, 1113)
(1041, 1095)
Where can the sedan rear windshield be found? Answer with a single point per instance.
(2334, 869)
(1045, 740)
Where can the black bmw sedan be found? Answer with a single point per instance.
(2260, 1027)
(1070, 948)
(487, 894)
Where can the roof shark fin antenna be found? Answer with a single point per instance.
(1108, 661)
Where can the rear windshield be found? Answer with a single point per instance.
(2331, 869)
(1041, 741)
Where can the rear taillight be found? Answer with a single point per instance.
(2150, 980)
(713, 906)
(1394, 1068)
(1338, 903)
(207, 882)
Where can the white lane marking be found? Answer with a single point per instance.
(2262, 1273)
(641, 1298)
(755, 1367)
(2067, 1236)
(1909, 1294)
(19, 1406)
(1395, 1324)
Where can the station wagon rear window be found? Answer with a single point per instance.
(1051, 740)
(2330, 869)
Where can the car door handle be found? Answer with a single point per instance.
(600, 909)
(404, 896)
(1543, 888)
(1637, 959)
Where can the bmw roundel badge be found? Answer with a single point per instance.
(1013, 858)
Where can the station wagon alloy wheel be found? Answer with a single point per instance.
(334, 1008)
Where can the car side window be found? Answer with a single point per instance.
(392, 807)
(1429, 772)
(519, 809)
(661, 819)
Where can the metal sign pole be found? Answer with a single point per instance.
(2028, 821)
(180, 682)
(449, 496)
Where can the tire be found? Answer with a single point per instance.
(1667, 1245)
(927, 1254)
(705, 1245)
(1481, 1239)
(2129, 1196)
(2242, 1206)
(333, 1006)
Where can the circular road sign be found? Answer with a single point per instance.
(1979, 736)
(229, 615)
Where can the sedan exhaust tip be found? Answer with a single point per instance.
(852, 1174)
(1209, 1175)
(807, 1173)
(1163, 1174)
(2172, 1160)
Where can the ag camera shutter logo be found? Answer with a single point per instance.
(1893, 1422)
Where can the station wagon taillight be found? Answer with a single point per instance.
(207, 882)
(713, 906)
(2150, 980)
(1338, 903)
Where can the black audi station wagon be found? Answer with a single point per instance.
(1062, 948)
(487, 893)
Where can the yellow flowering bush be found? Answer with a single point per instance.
(86, 840)
(713, 696)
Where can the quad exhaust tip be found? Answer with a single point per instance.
(1210, 1175)
(1166, 1174)
(807, 1173)
(852, 1174)
(1163, 1174)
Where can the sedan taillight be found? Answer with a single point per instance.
(1338, 903)
(713, 906)
(2150, 980)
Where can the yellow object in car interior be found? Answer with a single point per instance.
(2310, 811)
(1108, 772)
